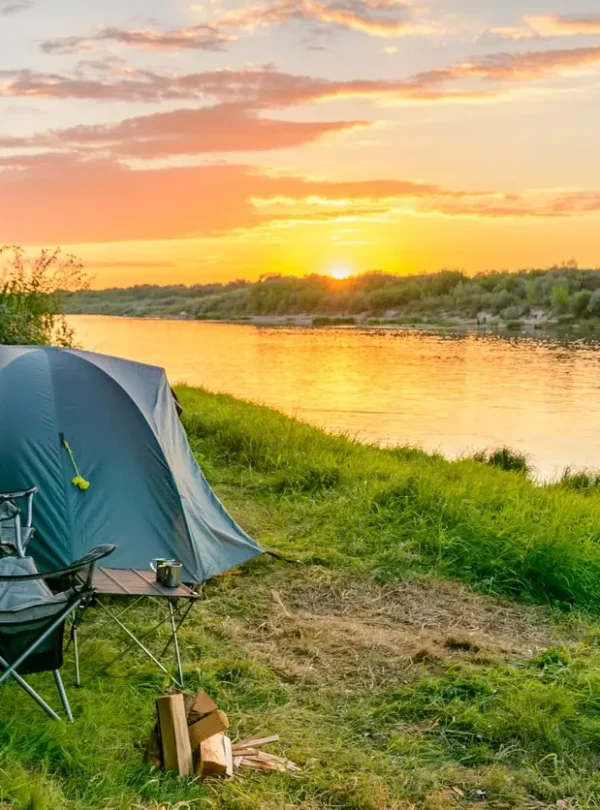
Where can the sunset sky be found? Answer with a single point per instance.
(166, 141)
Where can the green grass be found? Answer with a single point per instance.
(390, 686)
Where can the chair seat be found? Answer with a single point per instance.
(29, 600)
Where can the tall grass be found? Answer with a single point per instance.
(585, 481)
(505, 459)
(388, 511)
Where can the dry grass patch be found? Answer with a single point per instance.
(317, 630)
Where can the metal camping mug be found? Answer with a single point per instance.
(171, 574)
(157, 565)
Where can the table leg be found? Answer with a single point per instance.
(135, 640)
(181, 616)
(176, 642)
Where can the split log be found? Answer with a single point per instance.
(261, 761)
(201, 705)
(215, 757)
(212, 724)
(254, 742)
(257, 764)
(176, 748)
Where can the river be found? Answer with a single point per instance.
(441, 392)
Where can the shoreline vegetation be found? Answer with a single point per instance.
(435, 647)
(563, 298)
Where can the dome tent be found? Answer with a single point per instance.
(119, 419)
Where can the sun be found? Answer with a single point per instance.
(339, 271)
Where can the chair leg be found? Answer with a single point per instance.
(31, 692)
(63, 695)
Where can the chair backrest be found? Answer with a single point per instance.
(16, 531)
(28, 608)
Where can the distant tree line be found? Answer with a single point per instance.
(564, 291)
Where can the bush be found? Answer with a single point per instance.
(580, 302)
(559, 298)
(594, 303)
(32, 294)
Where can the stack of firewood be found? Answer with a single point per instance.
(189, 738)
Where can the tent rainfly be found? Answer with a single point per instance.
(113, 423)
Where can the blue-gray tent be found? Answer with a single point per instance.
(120, 421)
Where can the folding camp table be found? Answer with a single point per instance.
(136, 585)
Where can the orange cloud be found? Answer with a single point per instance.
(102, 201)
(219, 128)
(539, 206)
(96, 201)
(560, 25)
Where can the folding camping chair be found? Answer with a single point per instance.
(15, 534)
(32, 618)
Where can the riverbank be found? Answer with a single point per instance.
(435, 647)
(540, 326)
(536, 327)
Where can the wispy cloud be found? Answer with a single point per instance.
(381, 18)
(477, 79)
(541, 26)
(520, 66)
(15, 6)
(195, 37)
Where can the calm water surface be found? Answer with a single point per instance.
(394, 387)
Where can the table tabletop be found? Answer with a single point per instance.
(135, 582)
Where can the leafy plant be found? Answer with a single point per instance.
(32, 294)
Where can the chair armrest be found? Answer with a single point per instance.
(89, 560)
(25, 493)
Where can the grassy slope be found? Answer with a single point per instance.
(391, 685)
